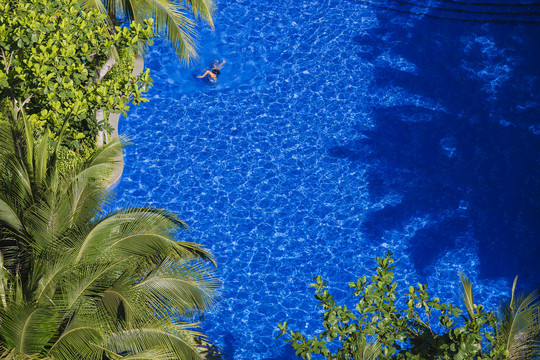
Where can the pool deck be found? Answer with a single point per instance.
(113, 120)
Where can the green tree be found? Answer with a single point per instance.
(400, 330)
(80, 283)
(176, 20)
(519, 328)
(55, 59)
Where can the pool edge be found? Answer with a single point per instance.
(116, 174)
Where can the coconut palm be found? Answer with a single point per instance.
(77, 282)
(519, 321)
(175, 20)
(367, 350)
(520, 325)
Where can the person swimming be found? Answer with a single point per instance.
(214, 72)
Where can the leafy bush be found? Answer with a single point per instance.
(70, 160)
(4, 111)
(55, 58)
(408, 330)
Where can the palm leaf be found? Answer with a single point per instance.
(467, 295)
(143, 232)
(29, 142)
(152, 354)
(5, 277)
(102, 161)
(173, 19)
(9, 218)
(204, 9)
(367, 350)
(90, 280)
(78, 343)
(116, 305)
(141, 340)
(13, 354)
(73, 278)
(519, 327)
(27, 328)
(186, 289)
(40, 158)
(22, 179)
(50, 272)
(93, 5)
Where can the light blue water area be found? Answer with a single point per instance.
(339, 130)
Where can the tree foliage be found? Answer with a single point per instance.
(519, 328)
(53, 57)
(414, 325)
(176, 20)
(77, 282)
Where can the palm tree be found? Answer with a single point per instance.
(519, 321)
(80, 283)
(520, 325)
(176, 20)
(367, 350)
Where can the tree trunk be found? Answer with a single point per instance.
(102, 136)
(106, 67)
(111, 10)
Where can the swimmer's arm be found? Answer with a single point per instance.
(220, 66)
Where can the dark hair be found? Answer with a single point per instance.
(215, 71)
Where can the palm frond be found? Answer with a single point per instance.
(175, 23)
(41, 158)
(136, 341)
(43, 223)
(82, 201)
(29, 142)
(93, 5)
(520, 324)
(21, 180)
(49, 272)
(90, 280)
(9, 218)
(103, 158)
(116, 305)
(78, 343)
(5, 278)
(27, 328)
(203, 9)
(367, 350)
(152, 354)
(143, 232)
(174, 20)
(187, 289)
(76, 283)
(13, 354)
(467, 295)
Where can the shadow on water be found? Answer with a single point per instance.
(229, 346)
(495, 182)
(463, 165)
(284, 352)
(462, 11)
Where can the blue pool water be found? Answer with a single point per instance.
(338, 130)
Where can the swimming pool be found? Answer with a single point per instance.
(339, 130)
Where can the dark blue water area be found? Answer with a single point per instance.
(339, 130)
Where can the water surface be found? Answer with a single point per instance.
(339, 130)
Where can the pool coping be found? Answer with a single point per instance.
(118, 169)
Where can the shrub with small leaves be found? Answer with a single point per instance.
(420, 328)
(53, 59)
